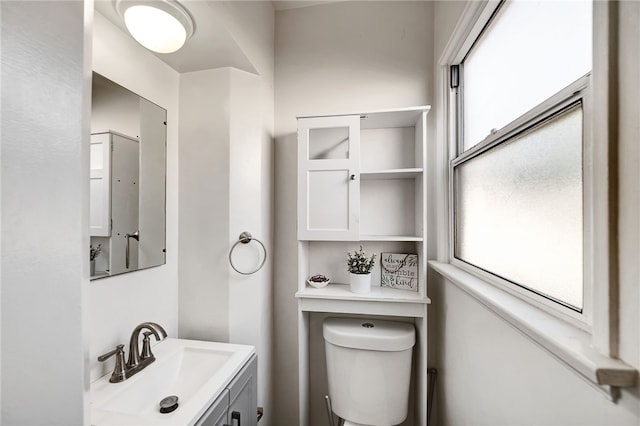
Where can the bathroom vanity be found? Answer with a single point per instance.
(238, 401)
(215, 384)
(362, 181)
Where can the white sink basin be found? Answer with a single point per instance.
(195, 371)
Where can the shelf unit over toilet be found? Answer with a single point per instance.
(362, 181)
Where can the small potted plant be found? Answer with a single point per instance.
(360, 266)
(93, 253)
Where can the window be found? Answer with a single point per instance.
(526, 205)
(529, 51)
(518, 178)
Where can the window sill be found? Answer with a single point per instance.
(566, 342)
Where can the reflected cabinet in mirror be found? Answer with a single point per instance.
(127, 182)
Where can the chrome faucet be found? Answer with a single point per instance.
(137, 361)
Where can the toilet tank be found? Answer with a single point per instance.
(369, 369)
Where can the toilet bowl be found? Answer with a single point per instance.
(369, 369)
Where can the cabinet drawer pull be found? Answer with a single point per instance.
(353, 177)
(235, 415)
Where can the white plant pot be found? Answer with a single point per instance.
(360, 283)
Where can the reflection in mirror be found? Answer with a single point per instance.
(127, 183)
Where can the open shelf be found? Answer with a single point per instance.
(390, 238)
(377, 294)
(391, 174)
(338, 298)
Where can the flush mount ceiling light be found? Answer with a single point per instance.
(162, 26)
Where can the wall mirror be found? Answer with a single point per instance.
(127, 181)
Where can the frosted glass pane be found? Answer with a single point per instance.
(530, 51)
(519, 209)
(328, 144)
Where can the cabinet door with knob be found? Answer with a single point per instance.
(217, 413)
(328, 174)
(243, 397)
(237, 404)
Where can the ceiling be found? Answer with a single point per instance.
(284, 5)
(211, 46)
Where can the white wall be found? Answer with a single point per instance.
(45, 196)
(226, 168)
(115, 108)
(250, 183)
(117, 304)
(204, 197)
(334, 58)
(489, 373)
(221, 178)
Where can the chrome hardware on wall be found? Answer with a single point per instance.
(246, 238)
(135, 236)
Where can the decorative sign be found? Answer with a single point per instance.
(399, 271)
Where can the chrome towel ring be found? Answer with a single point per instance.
(246, 238)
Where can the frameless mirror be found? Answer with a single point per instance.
(127, 182)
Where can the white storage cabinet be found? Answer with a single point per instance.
(362, 181)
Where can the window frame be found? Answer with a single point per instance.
(578, 91)
(591, 354)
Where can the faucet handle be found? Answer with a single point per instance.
(146, 346)
(104, 357)
(119, 372)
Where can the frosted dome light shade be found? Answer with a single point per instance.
(155, 29)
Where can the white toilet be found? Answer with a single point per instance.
(369, 369)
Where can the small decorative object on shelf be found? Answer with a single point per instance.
(360, 267)
(93, 253)
(399, 271)
(318, 281)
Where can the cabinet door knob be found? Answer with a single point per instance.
(353, 177)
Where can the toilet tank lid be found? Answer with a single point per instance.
(376, 335)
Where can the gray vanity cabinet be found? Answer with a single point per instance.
(216, 415)
(243, 396)
(238, 402)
